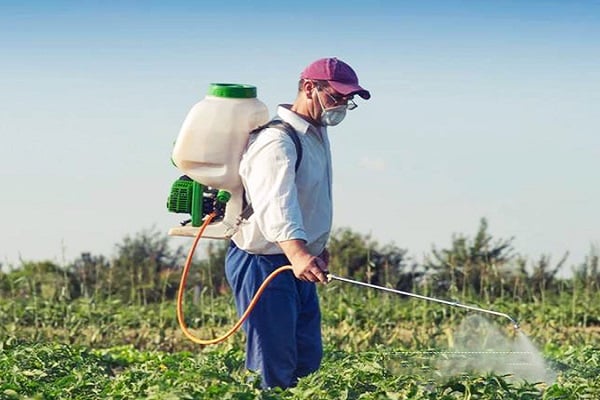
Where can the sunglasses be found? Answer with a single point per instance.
(340, 99)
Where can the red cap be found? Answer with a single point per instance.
(339, 75)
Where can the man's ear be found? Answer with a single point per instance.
(307, 88)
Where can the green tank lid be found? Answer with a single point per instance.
(233, 90)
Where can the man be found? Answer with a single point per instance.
(290, 226)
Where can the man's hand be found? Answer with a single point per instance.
(306, 267)
(311, 269)
(325, 257)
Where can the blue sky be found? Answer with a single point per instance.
(479, 109)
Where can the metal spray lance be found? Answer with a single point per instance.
(331, 277)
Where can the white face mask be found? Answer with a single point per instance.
(333, 115)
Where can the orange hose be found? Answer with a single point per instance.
(184, 274)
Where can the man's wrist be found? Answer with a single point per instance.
(294, 249)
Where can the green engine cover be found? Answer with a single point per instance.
(180, 198)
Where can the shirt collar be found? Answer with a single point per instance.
(299, 123)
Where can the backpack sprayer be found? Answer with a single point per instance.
(208, 149)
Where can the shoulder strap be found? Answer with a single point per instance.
(286, 127)
(289, 130)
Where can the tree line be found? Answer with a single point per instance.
(146, 269)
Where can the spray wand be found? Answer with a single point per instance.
(331, 277)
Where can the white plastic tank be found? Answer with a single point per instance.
(215, 132)
(210, 144)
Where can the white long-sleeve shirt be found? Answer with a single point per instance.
(287, 205)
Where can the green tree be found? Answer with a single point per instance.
(543, 276)
(211, 270)
(39, 279)
(350, 253)
(586, 283)
(358, 256)
(142, 271)
(91, 275)
(587, 274)
(471, 266)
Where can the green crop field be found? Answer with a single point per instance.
(378, 346)
(107, 329)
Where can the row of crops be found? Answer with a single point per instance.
(378, 346)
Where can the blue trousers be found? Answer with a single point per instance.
(284, 329)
